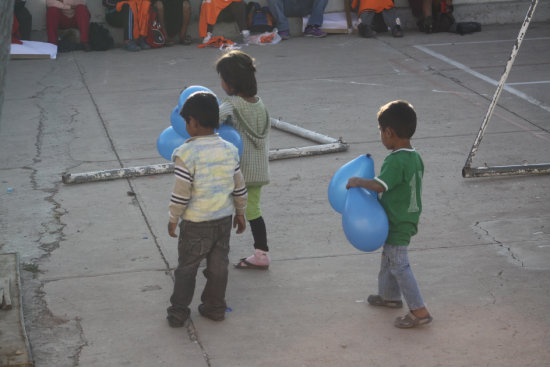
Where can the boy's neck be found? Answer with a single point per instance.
(202, 131)
(401, 143)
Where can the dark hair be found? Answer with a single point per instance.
(400, 116)
(203, 106)
(237, 70)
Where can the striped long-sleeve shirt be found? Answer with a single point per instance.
(209, 183)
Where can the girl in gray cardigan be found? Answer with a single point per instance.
(250, 118)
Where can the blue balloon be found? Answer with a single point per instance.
(362, 166)
(364, 220)
(167, 141)
(230, 134)
(178, 123)
(190, 90)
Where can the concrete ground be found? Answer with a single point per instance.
(97, 258)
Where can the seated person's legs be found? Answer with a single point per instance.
(53, 20)
(24, 18)
(365, 26)
(316, 9)
(238, 10)
(391, 20)
(121, 19)
(317, 12)
(184, 37)
(82, 19)
(277, 9)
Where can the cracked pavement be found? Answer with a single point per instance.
(98, 261)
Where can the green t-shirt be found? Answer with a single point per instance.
(401, 175)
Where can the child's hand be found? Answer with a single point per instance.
(172, 229)
(354, 182)
(239, 223)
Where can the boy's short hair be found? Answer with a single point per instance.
(203, 106)
(400, 116)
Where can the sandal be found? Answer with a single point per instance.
(410, 320)
(376, 300)
(244, 264)
(186, 40)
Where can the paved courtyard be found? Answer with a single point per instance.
(97, 259)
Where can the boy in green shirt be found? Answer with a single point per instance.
(400, 182)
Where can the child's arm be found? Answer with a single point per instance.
(240, 196)
(365, 183)
(180, 195)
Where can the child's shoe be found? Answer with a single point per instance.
(410, 320)
(205, 313)
(376, 300)
(260, 261)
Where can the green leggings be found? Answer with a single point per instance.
(253, 210)
(254, 216)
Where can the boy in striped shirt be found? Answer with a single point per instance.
(209, 188)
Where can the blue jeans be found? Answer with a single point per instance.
(396, 277)
(297, 8)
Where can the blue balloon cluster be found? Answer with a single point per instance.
(176, 134)
(364, 220)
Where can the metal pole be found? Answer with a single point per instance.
(300, 131)
(503, 78)
(329, 145)
(158, 169)
(515, 170)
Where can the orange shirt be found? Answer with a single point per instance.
(372, 5)
(210, 9)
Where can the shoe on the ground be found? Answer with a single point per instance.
(175, 322)
(143, 44)
(376, 300)
(397, 32)
(207, 38)
(365, 31)
(260, 261)
(314, 31)
(245, 33)
(132, 46)
(186, 40)
(204, 313)
(410, 320)
(285, 35)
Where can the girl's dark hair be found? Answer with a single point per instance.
(237, 70)
(400, 116)
(203, 106)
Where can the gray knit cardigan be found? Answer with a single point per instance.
(251, 120)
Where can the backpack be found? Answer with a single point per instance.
(259, 18)
(155, 36)
(100, 37)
